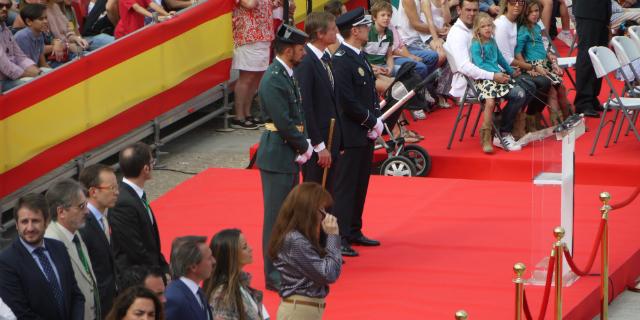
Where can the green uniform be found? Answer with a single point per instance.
(280, 99)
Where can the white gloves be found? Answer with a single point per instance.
(302, 158)
(376, 131)
(378, 127)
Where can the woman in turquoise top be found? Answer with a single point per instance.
(530, 49)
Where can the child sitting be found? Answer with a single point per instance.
(530, 49)
(485, 55)
(31, 39)
(379, 49)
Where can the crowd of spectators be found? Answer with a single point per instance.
(91, 250)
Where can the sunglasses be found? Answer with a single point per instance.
(5, 5)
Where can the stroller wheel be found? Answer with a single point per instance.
(420, 158)
(398, 166)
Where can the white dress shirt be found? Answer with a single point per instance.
(5, 312)
(193, 287)
(458, 43)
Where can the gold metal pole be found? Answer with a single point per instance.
(461, 315)
(558, 232)
(519, 269)
(605, 197)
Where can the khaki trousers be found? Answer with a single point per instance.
(297, 311)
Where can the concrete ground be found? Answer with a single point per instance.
(204, 147)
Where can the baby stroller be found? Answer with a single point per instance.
(408, 160)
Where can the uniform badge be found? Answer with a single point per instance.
(361, 71)
(339, 53)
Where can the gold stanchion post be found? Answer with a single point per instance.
(519, 269)
(461, 315)
(558, 232)
(605, 197)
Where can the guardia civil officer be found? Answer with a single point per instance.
(317, 85)
(358, 111)
(283, 145)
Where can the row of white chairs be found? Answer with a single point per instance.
(625, 104)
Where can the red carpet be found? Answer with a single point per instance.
(447, 244)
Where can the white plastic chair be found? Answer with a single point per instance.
(628, 55)
(604, 62)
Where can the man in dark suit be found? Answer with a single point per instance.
(37, 279)
(317, 86)
(102, 194)
(358, 112)
(283, 145)
(191, 263)
(134, 229)
(592, 27)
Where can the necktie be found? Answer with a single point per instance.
(364, 59)
(87, 270)
(54, 285)
(205, 304)
(106, 228)
(326, 62)
(146, 204)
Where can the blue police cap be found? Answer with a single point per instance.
(353, 18)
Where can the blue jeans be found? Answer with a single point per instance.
(6, 85)
(98, 41)
(428, 64)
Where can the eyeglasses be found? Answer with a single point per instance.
(80, 207)
(517, 2)
(110, 188)
(6, 5)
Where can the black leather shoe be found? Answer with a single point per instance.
(364, 241)
(273, 286)
(347, 251)
(589, 113)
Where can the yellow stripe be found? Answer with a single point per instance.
(86, 104)
(301, 11)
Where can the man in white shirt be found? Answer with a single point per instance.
(191, 262)
(458, 43)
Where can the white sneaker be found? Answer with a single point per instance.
(428, 97)
(566, 37)
(510, 143)
(419, 114)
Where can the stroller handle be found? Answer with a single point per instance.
(430, 78)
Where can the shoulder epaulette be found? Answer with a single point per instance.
(339, 53)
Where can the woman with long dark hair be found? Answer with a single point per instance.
(307, 261)
(136, 303)
(228, 289)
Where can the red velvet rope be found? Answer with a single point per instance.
(547, 287)
(525, 304)
(626, 201)
(592, 258)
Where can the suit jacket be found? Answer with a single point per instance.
(25, 289)
(135, 240)
(281, 101)
(593, 10)
(318, 100)
(102, 261)
(182, 304)
(83, 279)
(358, 107)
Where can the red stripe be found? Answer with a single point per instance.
(112, 128)
(121, 50)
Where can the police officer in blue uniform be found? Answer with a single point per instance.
(359, 114)
(284, 144)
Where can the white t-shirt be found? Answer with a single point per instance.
(401, 21)
(506, 36)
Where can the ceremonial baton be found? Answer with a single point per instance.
(329, 143)
(410, 94)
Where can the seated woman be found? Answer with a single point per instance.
(135, 303)
(307, 259)
(228, 289)
(531, 51)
